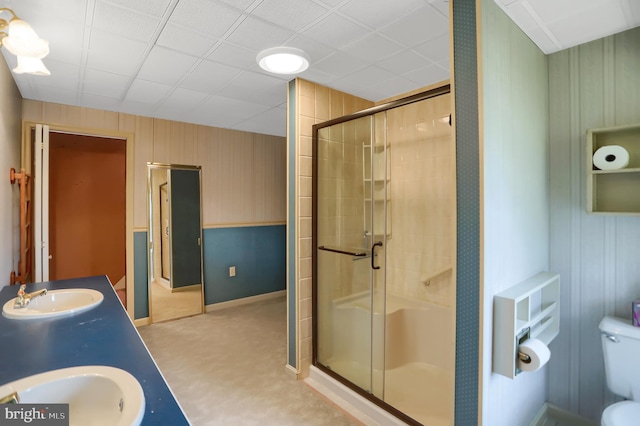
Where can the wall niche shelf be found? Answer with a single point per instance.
(533, 304)
(614, 191)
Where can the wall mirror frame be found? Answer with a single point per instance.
(175, 275)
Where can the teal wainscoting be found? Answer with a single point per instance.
(257, 252)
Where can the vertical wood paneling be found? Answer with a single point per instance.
(143, 153)
(270, 177)
(600, 276)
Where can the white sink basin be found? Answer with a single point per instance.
(55, 303)
(97, 395)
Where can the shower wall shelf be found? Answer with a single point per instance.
(614, 191)
(376, 188)
(533, 304)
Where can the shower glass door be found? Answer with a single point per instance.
(384, 240)
(349, 253)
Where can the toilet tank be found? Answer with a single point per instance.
(621, 348)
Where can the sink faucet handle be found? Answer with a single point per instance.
(21, 291)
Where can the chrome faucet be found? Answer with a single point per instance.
(24, 298)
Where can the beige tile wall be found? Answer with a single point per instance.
(316, 104)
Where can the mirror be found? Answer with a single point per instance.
(175, 241)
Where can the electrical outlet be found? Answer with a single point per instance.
(232, 271)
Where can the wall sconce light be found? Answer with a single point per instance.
(283, 60)
(21, 40)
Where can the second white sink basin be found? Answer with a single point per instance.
(96, 394)
(55, 303)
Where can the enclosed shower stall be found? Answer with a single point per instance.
(384, 257)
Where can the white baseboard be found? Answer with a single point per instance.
(245, 300)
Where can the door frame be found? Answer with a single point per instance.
(128, 137)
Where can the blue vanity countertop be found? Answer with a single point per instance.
(101, 336)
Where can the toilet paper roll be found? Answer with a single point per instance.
(537, 351)
(611, 157)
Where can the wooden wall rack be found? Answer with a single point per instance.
(24, 263)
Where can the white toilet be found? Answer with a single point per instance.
(621, 347)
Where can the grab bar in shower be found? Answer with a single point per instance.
(349, 253)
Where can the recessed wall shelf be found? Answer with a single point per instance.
(533, 304)
(614, 191)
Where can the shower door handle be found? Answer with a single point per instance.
(373, 254)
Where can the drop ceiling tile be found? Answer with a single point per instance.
(257, 35)
(239, 4)
(403, 62)
(270, 122)
(316, 50)
(427, 75)
(442, 6)
(66, 40)
(99, 102)
(146, 92)
(339, 63)
(124, 22)
(155, 8)
(422, 25)
(291, 14)
(373, 48)
(209, 77)
(332, 3)
(634, 13)
(72, 10)
(391, 87)
(186, 41)
(336, 31)
(57, 95)
(543, 41)
(256, 87)
(112, 53)
(522, 16)
(205, 17)
(552, 10)
(363, 78)
(233, 55)
(378, 13)
(184, 98)
(104, 83)
(165, 66)
(591, 24)
(229, 110)
(436, 50)
(63, 75)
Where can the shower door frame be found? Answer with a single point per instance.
(432, 93)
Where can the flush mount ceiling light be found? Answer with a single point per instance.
(283, 60)
(22, 41)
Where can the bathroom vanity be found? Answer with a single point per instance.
(103, 336)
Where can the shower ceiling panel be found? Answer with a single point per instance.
(194, 60)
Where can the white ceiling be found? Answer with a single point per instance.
(194, 60)
(555, 25)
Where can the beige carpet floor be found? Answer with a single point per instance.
(227, 368)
